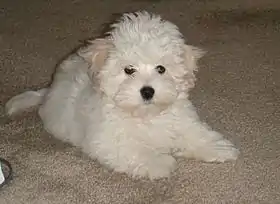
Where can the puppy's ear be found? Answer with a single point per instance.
(191, 56)
(96, 53)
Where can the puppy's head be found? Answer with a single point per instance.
(143, 65)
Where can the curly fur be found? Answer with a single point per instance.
(93, 104)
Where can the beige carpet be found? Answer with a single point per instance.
(237, 93)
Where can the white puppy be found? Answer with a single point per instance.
(124, 100)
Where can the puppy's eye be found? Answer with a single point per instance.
(160, 69)
(129, 70)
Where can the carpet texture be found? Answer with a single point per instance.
(237, 93)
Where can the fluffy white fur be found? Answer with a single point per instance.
(93, 104)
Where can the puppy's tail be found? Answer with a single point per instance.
(25, 101)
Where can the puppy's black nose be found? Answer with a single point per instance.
(147, 92)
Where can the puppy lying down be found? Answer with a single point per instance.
(124, 100)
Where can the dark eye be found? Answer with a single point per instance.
(129, 70)
(160, 69)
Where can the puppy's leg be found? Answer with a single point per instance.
(133, 159)
(206, 145)
(197, 140)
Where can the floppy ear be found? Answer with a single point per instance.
(96, 54)
(191, 56)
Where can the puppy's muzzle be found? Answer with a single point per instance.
(147, 93)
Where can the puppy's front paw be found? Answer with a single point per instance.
(157, 167)
(219, 151)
